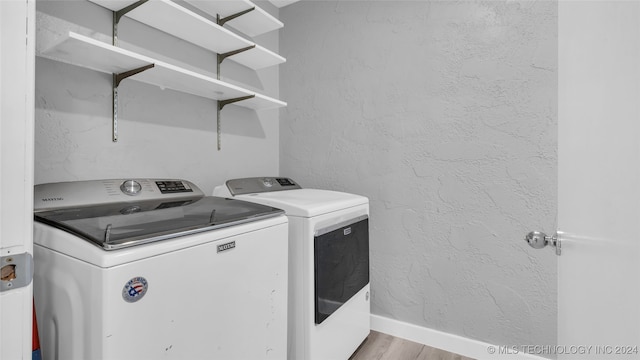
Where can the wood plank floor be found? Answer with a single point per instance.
(379, 346)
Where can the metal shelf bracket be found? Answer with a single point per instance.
(117, 15)
(221, 57)
(223, 20)
(223, 103)
(117, 78)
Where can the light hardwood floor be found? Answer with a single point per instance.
(379, 346)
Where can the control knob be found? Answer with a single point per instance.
(131, 187)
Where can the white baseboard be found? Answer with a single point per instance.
(452, 343)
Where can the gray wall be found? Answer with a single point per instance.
(162, 133)
(445, 115)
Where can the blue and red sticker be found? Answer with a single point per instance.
(135, 289)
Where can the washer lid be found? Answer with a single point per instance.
(118, 225)
(306, 202)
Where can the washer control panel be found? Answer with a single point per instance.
(260, 184)
(97, 192)
(172, 187)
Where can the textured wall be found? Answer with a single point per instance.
(445, 115)
(162, 133)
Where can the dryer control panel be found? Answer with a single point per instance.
(260, 184)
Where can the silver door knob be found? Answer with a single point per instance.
(538, 240)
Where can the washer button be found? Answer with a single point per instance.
(131, 187)
(267, 182)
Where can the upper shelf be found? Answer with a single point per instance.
(253, 23)
(180, 22)
(282, 3)
(89, 53)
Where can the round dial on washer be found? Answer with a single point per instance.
(131, 187)
(267, 182)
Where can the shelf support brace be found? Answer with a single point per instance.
(221, 57)
(117, 78)
(223, 103)
(223, 20)
(117, 15)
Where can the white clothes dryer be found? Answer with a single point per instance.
(329, 309)
(153, 269)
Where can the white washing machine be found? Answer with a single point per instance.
(329, 311)
(153, 269)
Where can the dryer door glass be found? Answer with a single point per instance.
(341, 265)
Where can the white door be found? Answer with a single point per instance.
(599, 180)
(17, 60)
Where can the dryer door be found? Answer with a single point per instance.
(341, 260)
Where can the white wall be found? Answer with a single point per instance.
(162, 133)
(445, 115)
